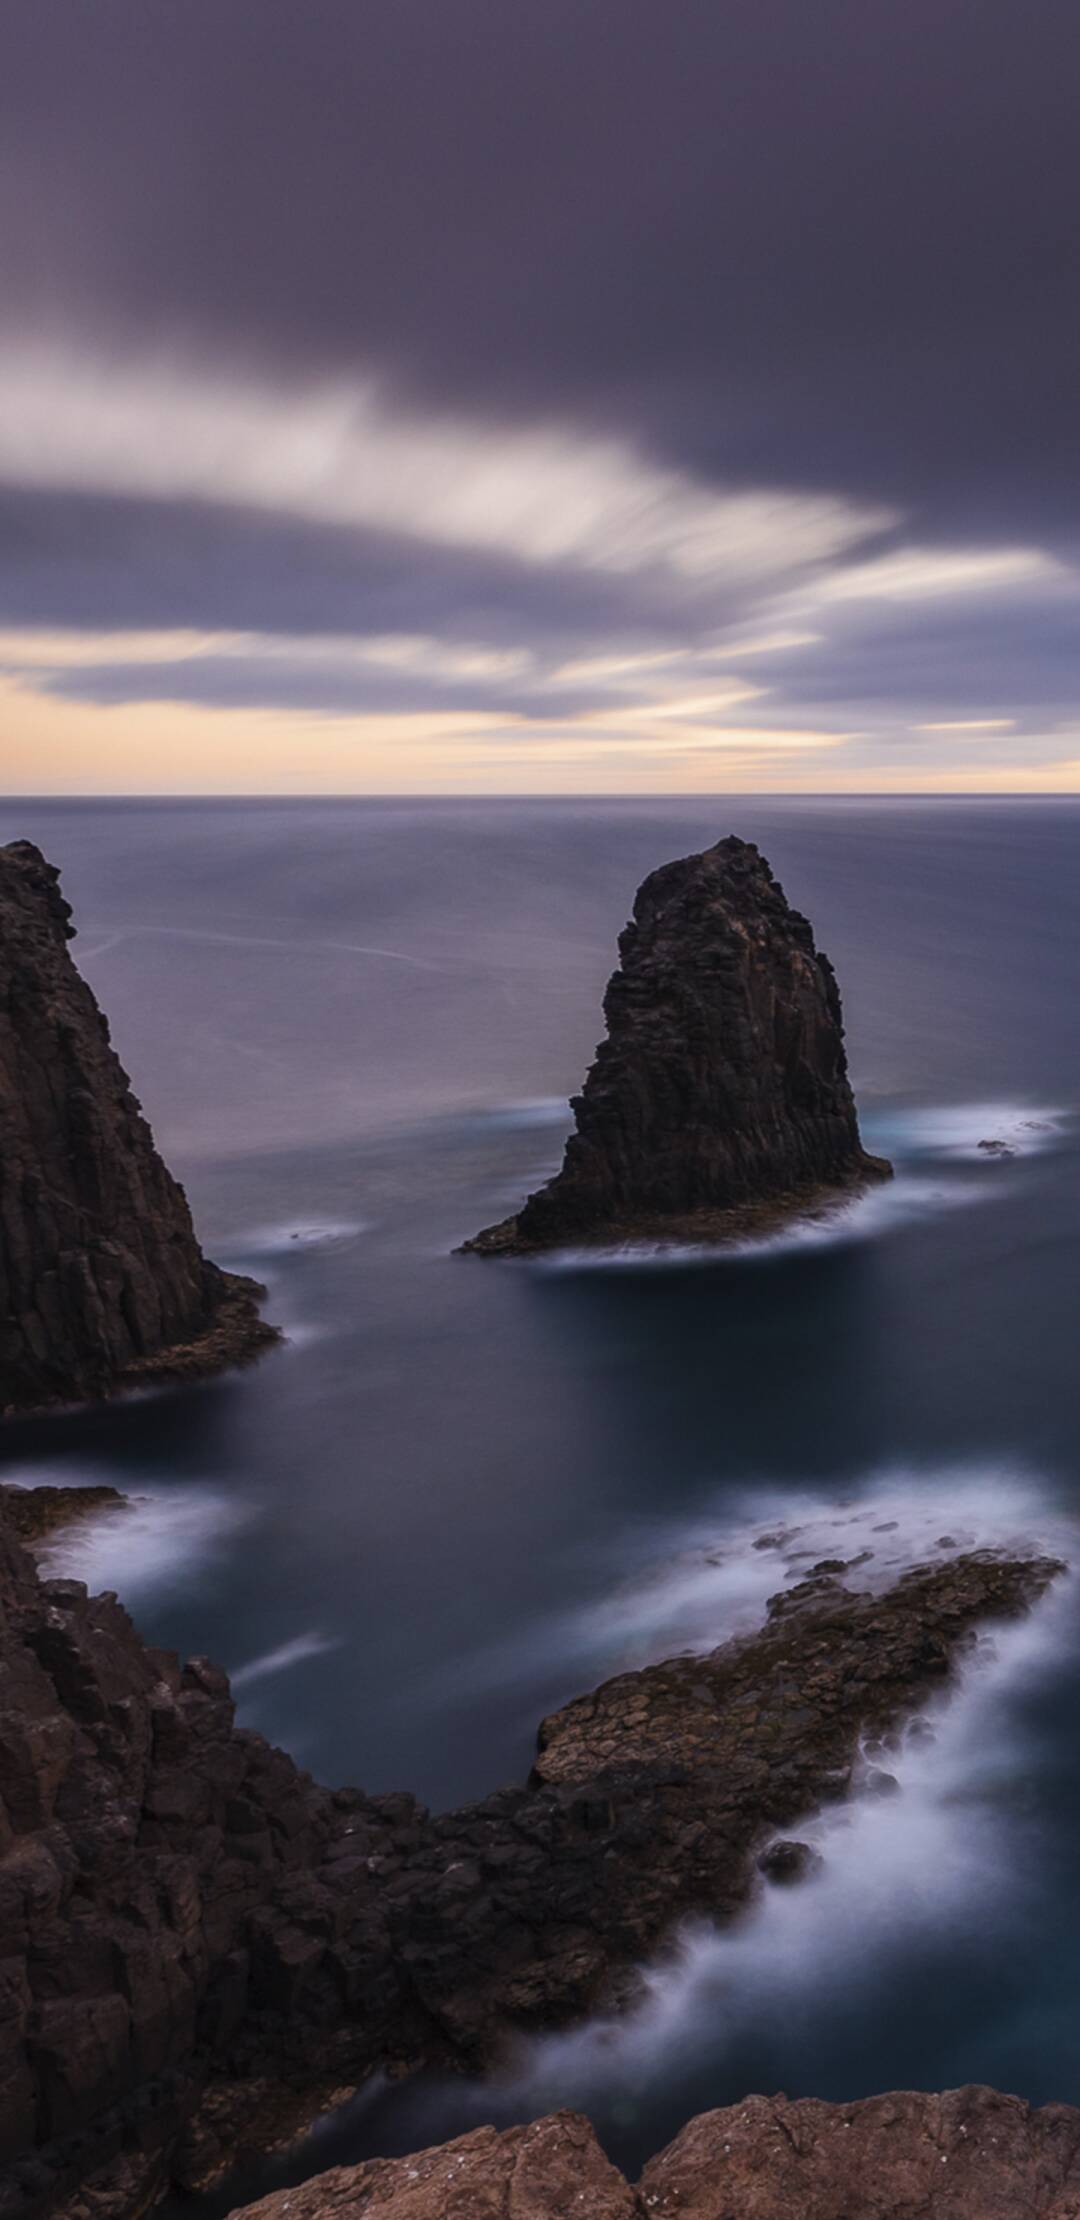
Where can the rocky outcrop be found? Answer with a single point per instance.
(102, 1280)
(720, 1099)
(968, 2155)
(553, 2169)
(34, 1515)
(830, 1670)
(200, 1946)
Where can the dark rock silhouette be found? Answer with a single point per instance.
(102, 1280)
(720, 1099)
(200, 1947)
(970, 2154)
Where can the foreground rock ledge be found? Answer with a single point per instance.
(102, 1281)
(200, 1945)
(968, 2155)
(719, 1104)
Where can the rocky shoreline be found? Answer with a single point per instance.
(203, 1945)
(719, 1105)
(35, 1515)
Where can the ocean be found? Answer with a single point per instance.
(464, 1491)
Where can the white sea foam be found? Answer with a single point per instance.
(862, 1217)
(150, 1544)
(541, 1110)
(313, 1644)
(715, 1577)
(699, 1582)
(946, 1853)
(971, 1132)
(986, 1133)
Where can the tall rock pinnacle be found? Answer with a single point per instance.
(720, 1096)
(102, 1280)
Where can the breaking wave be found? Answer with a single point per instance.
(944, 1853)
(146, 1546)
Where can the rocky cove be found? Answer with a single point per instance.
(206, 1947)
(203, 1942)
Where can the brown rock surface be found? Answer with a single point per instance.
(198, 1943)
(970, 2154)
(102, 1280)
(720, 1098)
(551, 2170)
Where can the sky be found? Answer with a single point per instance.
(539, 396)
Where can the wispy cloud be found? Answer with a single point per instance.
(546, 494)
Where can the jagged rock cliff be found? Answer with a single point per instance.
(721, 1092)
(198, 1944)
(101, 1277)
(971, 2154)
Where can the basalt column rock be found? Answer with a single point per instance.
(101, 1277)
(720, 1097)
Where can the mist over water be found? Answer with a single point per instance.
(463, 1492)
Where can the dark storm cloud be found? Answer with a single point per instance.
(784, 244)
(827, 243)
(97, 562)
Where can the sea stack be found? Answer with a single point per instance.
(102, 1281)
(720, 1099)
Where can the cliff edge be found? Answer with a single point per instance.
(720, 1099)
(970, 2154)
(102, 1281)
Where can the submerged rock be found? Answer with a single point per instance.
(970, 2154)
(720, 1099)
(102, 1281)
(785, 1863)
(201, 1948)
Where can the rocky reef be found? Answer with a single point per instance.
(720, 1100)
(970, 2154)
(200, 1946)
(102, 1281)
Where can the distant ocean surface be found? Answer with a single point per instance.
(465, 1491)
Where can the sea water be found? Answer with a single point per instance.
(463, 1491)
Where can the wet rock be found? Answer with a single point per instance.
(720, 1099)
(35, 1514)
(785, 1863)
(102, 1280)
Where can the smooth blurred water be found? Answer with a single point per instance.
(464, 1490)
